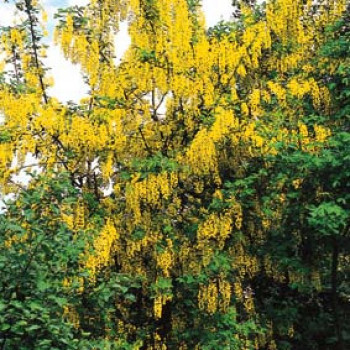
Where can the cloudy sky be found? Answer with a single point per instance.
(62, 70)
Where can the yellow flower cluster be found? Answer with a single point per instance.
(152, 191)
(249, 303)
(225, 293)
(306, 140)
(225, 123)
(107, 167)
(158, 343)
(201, 156)
(278, 90)
(238, 290)
(158, 303)
(79, 216)
(16, 38)
(82, 43)
(165, 261)
(298, 88)
(6, 153)
(217, 227)
(254, 101)
(297, 182)
(321, 133)
(102, 249)
(71, 315)
(15, 239)
(67, 217)
(12, 42)
(82, 134)
(215, 296)
(208, 297)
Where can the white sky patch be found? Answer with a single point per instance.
(78, 2)
(51, 22)
(21, 178)
(217, 10)
(31, 164)
(68, 81)
(109, 189)
(7, 14)
(3, 199)
(122, 42)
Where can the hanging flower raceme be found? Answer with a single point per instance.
(102, 249)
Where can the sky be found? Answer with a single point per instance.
(62, 70)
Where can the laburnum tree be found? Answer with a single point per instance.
(226, 152)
